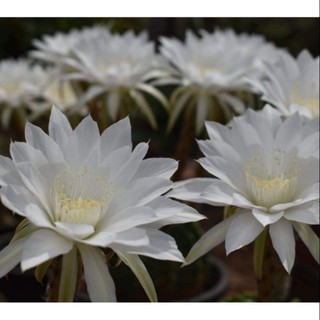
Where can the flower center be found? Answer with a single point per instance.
(272, 183)
(80, 196)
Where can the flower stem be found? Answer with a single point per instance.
(186, 142)
(98, 114)
(273, 281)
(19, 123)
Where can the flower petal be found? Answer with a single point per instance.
(309, 237)
(100, 285)
(41, 246)
(74, 230)
(243, 229)
(37, 138)
(172, 212)
(307, 213)
(158, 167)
(59, 127)
(21, 201)
(129, 169)
(136, 265)
(160, 246)
(191, 189)
(289, 133)
(6, 165)
(127, 218)
(84, 139)
(116, 136)
(10, 256)
(209, 240)
(283, 241)
(266, 218)
(69, 276)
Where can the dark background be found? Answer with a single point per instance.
(295, 34)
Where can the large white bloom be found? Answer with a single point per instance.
(213, 66)
(291, 84)
(56, 91)
(79, 191)
(117, 66)
(19, 84)
(269, 170)
(57, 48)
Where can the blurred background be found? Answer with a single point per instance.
(292, 33)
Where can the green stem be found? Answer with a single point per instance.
(258, 253)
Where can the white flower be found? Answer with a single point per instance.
(80, 191)
(269, 170)
(291, 84)
(19, 84)
(117, 66)
(213, 66)
(57, 48)
(56, 91)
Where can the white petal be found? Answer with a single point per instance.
(283, 241)
(10, 256)
(145, 190)
(74, 230)
(41, 141)
(160, 246)
(21, 201)
(157, 167)
(228, 171)
(69, 276)
(218, 193)
(129, 169)
(172, 212)
(154, 93)
(136, 265)
(209, 240)
(289, 133)
(309, 146)
(266, 218)
(128, 218)
(217, 131)
(84, 140)
(36, 183)
(24, 152)
(116, 136)
(246, 132)
(309, 237)
(128, 238)
(100, 285)
(234, 102)
(59, 127)
(41, 246)
(307, 213)
(243, 229)
(6, 165)
(191, 189)
(112, 163)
